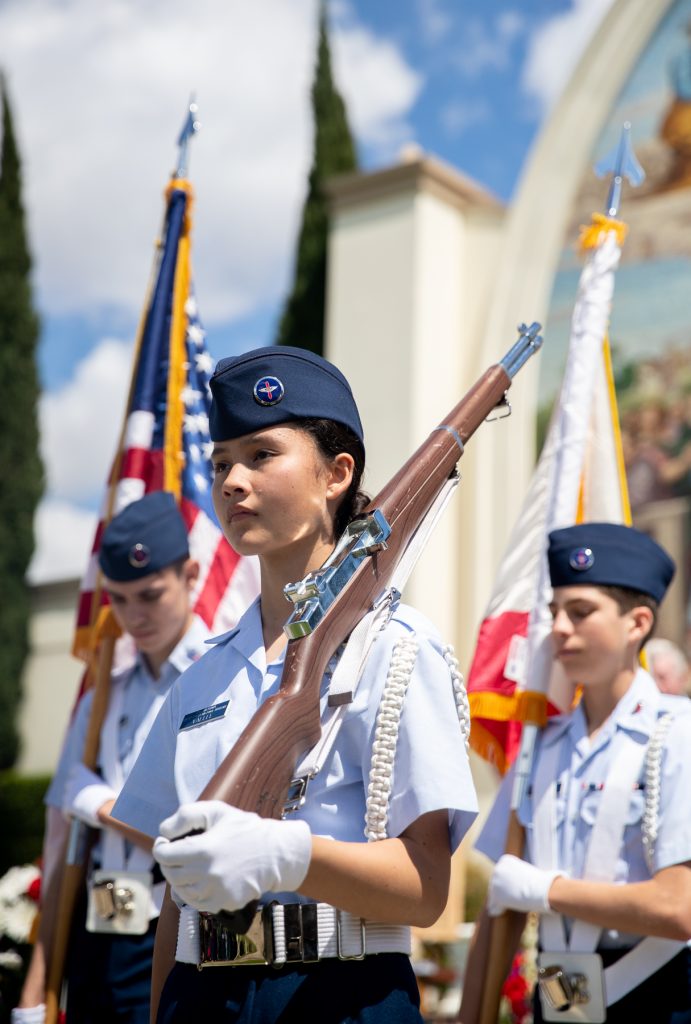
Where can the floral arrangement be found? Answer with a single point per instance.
(20, 890)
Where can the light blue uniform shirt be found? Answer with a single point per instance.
(140, 689)
(582, 773)
(431, 770)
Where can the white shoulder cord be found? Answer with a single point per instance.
(653, 765)
(388, 720)
(386, 736)
(460, 694)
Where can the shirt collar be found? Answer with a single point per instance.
(188, 649)
(191, 647)
(637, 711)
(557, 727)
(247, 637)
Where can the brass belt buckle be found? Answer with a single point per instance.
(220, 947)
(562, 990)
(111, 900)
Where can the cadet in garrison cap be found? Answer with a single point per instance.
(148, 576)
(606, 811)
(288, 459)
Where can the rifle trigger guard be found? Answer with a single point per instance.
(503, 404)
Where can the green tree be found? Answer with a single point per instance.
(302, 322)
(21, 478)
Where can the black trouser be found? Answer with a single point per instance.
(109, 976)
(654, 1001)
(380, 989)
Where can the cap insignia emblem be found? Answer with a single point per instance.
(139, 556)
(268, 391)
(582, 559)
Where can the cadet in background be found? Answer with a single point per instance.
(606, 812)
(149, 578)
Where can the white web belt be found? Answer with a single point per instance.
(290, 933)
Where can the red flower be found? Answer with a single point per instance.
(34, 890)
(515, 988)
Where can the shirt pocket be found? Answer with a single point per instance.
(526, 810)
(590, 808)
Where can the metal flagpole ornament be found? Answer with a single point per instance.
(190, 127)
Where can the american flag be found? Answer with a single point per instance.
(165, 443)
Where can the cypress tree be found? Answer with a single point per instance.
(21, 476)
(302, 322)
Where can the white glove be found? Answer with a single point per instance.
(29, 1014)
(517, 885)
(85, 794)
(236, 859)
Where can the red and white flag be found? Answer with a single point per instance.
(580, 477)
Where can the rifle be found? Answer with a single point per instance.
(257, 773)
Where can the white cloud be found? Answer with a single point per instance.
(435, 22)
(486, 49)
(99, 92)
(64, 537)
(457, 115)
(378, 87)
(80, 424)
(556, 47)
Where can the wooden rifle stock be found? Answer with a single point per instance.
(256, 774)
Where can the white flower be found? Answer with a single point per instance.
(17, 910)
(11, 960)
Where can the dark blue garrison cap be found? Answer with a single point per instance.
(609, 555)
(277, 384)
(146, 536)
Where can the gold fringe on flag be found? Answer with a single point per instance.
(591, 234)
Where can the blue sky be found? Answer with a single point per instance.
(99, 92)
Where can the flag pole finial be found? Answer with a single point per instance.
(620, 163)
(190, 126)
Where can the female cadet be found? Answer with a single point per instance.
(288, 457)
(606, 813)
